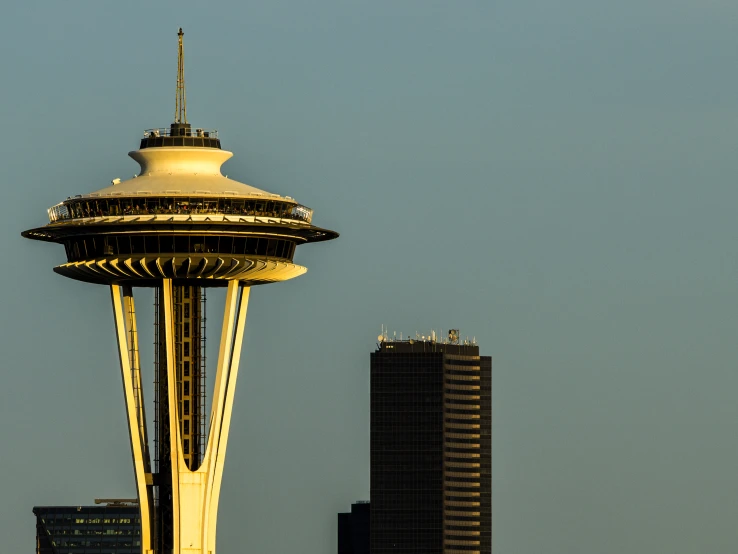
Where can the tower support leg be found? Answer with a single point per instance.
(124, 314)
(196, 492)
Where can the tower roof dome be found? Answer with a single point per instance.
(181, 171)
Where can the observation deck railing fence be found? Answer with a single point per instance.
(118, 207)
(180, 132)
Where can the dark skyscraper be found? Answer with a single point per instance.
(431, 458)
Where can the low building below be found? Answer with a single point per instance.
(113, 528)
(353, 530)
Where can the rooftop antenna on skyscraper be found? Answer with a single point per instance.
(180, 108)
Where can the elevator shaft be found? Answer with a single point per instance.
(188, 333)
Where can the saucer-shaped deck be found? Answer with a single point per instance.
(180, 218)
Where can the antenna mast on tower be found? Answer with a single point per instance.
(180, 109)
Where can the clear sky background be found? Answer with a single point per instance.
(556, 179)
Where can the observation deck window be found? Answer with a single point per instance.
(137, 243)
(225, 244)
(86, 248)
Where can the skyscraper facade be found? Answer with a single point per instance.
(431, 458)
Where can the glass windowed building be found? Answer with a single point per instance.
(431, 455)
(112, 529)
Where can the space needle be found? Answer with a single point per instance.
(180, 227)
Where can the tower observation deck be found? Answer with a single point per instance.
(180, 226)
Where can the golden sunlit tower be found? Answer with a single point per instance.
(180, 227)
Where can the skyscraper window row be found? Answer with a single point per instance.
(460, 536)
(461, 408)
(464, 425)
(463, 465)
(470, 473)
(465, 399)
(462, 397)
(453, 456)
(470, 518)
(463, 504)
(455, 387)
(461, 417)
(462, 375)
(461, 495)
(462, 521)
(453, 486)
(463, 512)
(462, 367)
(462, 543)
(462, 445)
(461, 477)
(463, 474)
(464, 357)
(466, 505)
(462, 435)
(454, 449)
(460, 528)
(460, 379)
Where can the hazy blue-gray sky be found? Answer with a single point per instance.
(554, 178)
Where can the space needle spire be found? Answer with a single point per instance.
(180, 108)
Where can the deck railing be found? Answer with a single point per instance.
(117, 207)
(180, 132)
